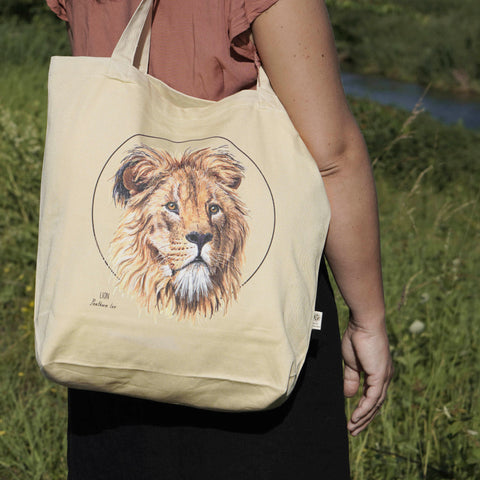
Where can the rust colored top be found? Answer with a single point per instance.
(200, 47)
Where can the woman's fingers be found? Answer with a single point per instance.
(367, 353)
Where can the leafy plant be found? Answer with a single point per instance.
(430, 42)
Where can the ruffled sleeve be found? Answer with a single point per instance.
(241, 16)
(58, 7)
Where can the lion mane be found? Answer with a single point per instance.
(179, 245)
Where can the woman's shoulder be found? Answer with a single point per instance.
(243, 13)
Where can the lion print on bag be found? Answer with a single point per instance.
(179, 245)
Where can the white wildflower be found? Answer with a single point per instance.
(417, 327)
(424, 297)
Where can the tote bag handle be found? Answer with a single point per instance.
(134, 44)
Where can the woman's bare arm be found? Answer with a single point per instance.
(296, 45)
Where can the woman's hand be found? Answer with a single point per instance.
(366, 350)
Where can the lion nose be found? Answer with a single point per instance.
(199, 239)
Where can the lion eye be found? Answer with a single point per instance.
(172, 207)
(213, 209)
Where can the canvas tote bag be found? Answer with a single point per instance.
(180, 238)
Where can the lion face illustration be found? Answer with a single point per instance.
(179, 245)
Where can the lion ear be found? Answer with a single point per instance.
(235, 181)
(228, 171)
(228, 179)
(133, 179)
(141, 168)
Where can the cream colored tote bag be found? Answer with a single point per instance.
(180, 238)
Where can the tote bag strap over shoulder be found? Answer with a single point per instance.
(133, 48)
(134, 44)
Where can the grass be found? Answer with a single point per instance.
(429, 425)
(32, 411)
(427, 179)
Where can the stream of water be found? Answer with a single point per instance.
(449, 109)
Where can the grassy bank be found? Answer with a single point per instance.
(429, 199)
(428, 42)
(427, 177)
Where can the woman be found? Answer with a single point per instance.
(205, 49)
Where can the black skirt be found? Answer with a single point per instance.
(112, 437)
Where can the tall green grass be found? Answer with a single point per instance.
(429, 426)
(427, 178)
(32, 411)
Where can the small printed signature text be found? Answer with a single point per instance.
(102, 301)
